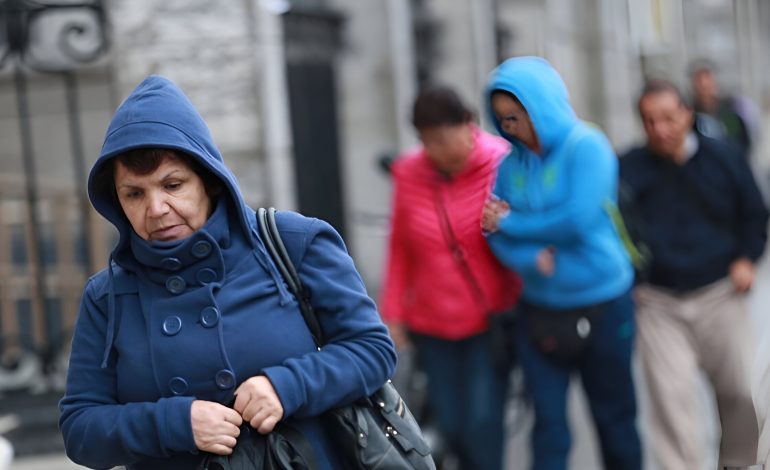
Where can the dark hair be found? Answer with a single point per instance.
(659, 85)
(438, 105)
(144, 161)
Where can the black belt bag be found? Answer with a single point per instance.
(562, 335)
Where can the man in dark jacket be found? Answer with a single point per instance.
(706, 226)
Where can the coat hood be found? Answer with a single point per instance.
(157, 114)
(542, 93)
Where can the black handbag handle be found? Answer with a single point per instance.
(271, 237)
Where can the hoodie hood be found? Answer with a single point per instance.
(157, 114)
(543, 94)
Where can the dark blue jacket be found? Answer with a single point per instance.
(168, 323)
(698, 217)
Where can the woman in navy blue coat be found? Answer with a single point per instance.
(191, 315)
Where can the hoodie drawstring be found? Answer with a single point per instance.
(110, 315)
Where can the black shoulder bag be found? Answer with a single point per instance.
(375, 432)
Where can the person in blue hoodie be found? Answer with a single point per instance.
(190, 331)
(551, 222)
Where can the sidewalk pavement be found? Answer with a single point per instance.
(49, 462)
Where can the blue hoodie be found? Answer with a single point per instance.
(171, 322)
(558, 198)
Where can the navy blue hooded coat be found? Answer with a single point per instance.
(171, 322)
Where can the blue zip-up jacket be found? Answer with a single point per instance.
(169, 323)
(559, 198)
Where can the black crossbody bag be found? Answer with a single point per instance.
(562, 335)
(375, 432)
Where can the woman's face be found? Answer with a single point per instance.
(448, 146)
(168, 204)
(514, 120)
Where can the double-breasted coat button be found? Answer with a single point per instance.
(209, 317)
(206, 276)
(178, 386)
(175, 284)
(170, 263)
(225, 379)
(172, 325)
(201, 249)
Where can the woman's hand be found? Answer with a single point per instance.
(215, 427)
(494, 209)
(258, 403)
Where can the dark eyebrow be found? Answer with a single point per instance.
(163, 178)
(170, 174)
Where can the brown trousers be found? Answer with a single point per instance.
(679, 335)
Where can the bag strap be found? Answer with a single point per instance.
(271, 237)
(454, 246)
(301, 446)
(639, 254)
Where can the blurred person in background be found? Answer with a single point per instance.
(722, 116)
(191, 331)
(707, 229)
(549, 222)
(442, 282)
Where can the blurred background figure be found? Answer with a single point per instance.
(719, 115)
(707, 228)
(442, 282)
(551, 225)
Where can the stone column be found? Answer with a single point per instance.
(275, 131)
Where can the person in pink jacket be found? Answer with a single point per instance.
(442, 281)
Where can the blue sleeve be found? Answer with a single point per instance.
(591, 179)
(358, 356)
(499, 189)
(98, 431)
(514, 254)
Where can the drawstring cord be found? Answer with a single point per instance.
(110, 315)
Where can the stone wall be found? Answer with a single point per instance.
(208, 49)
